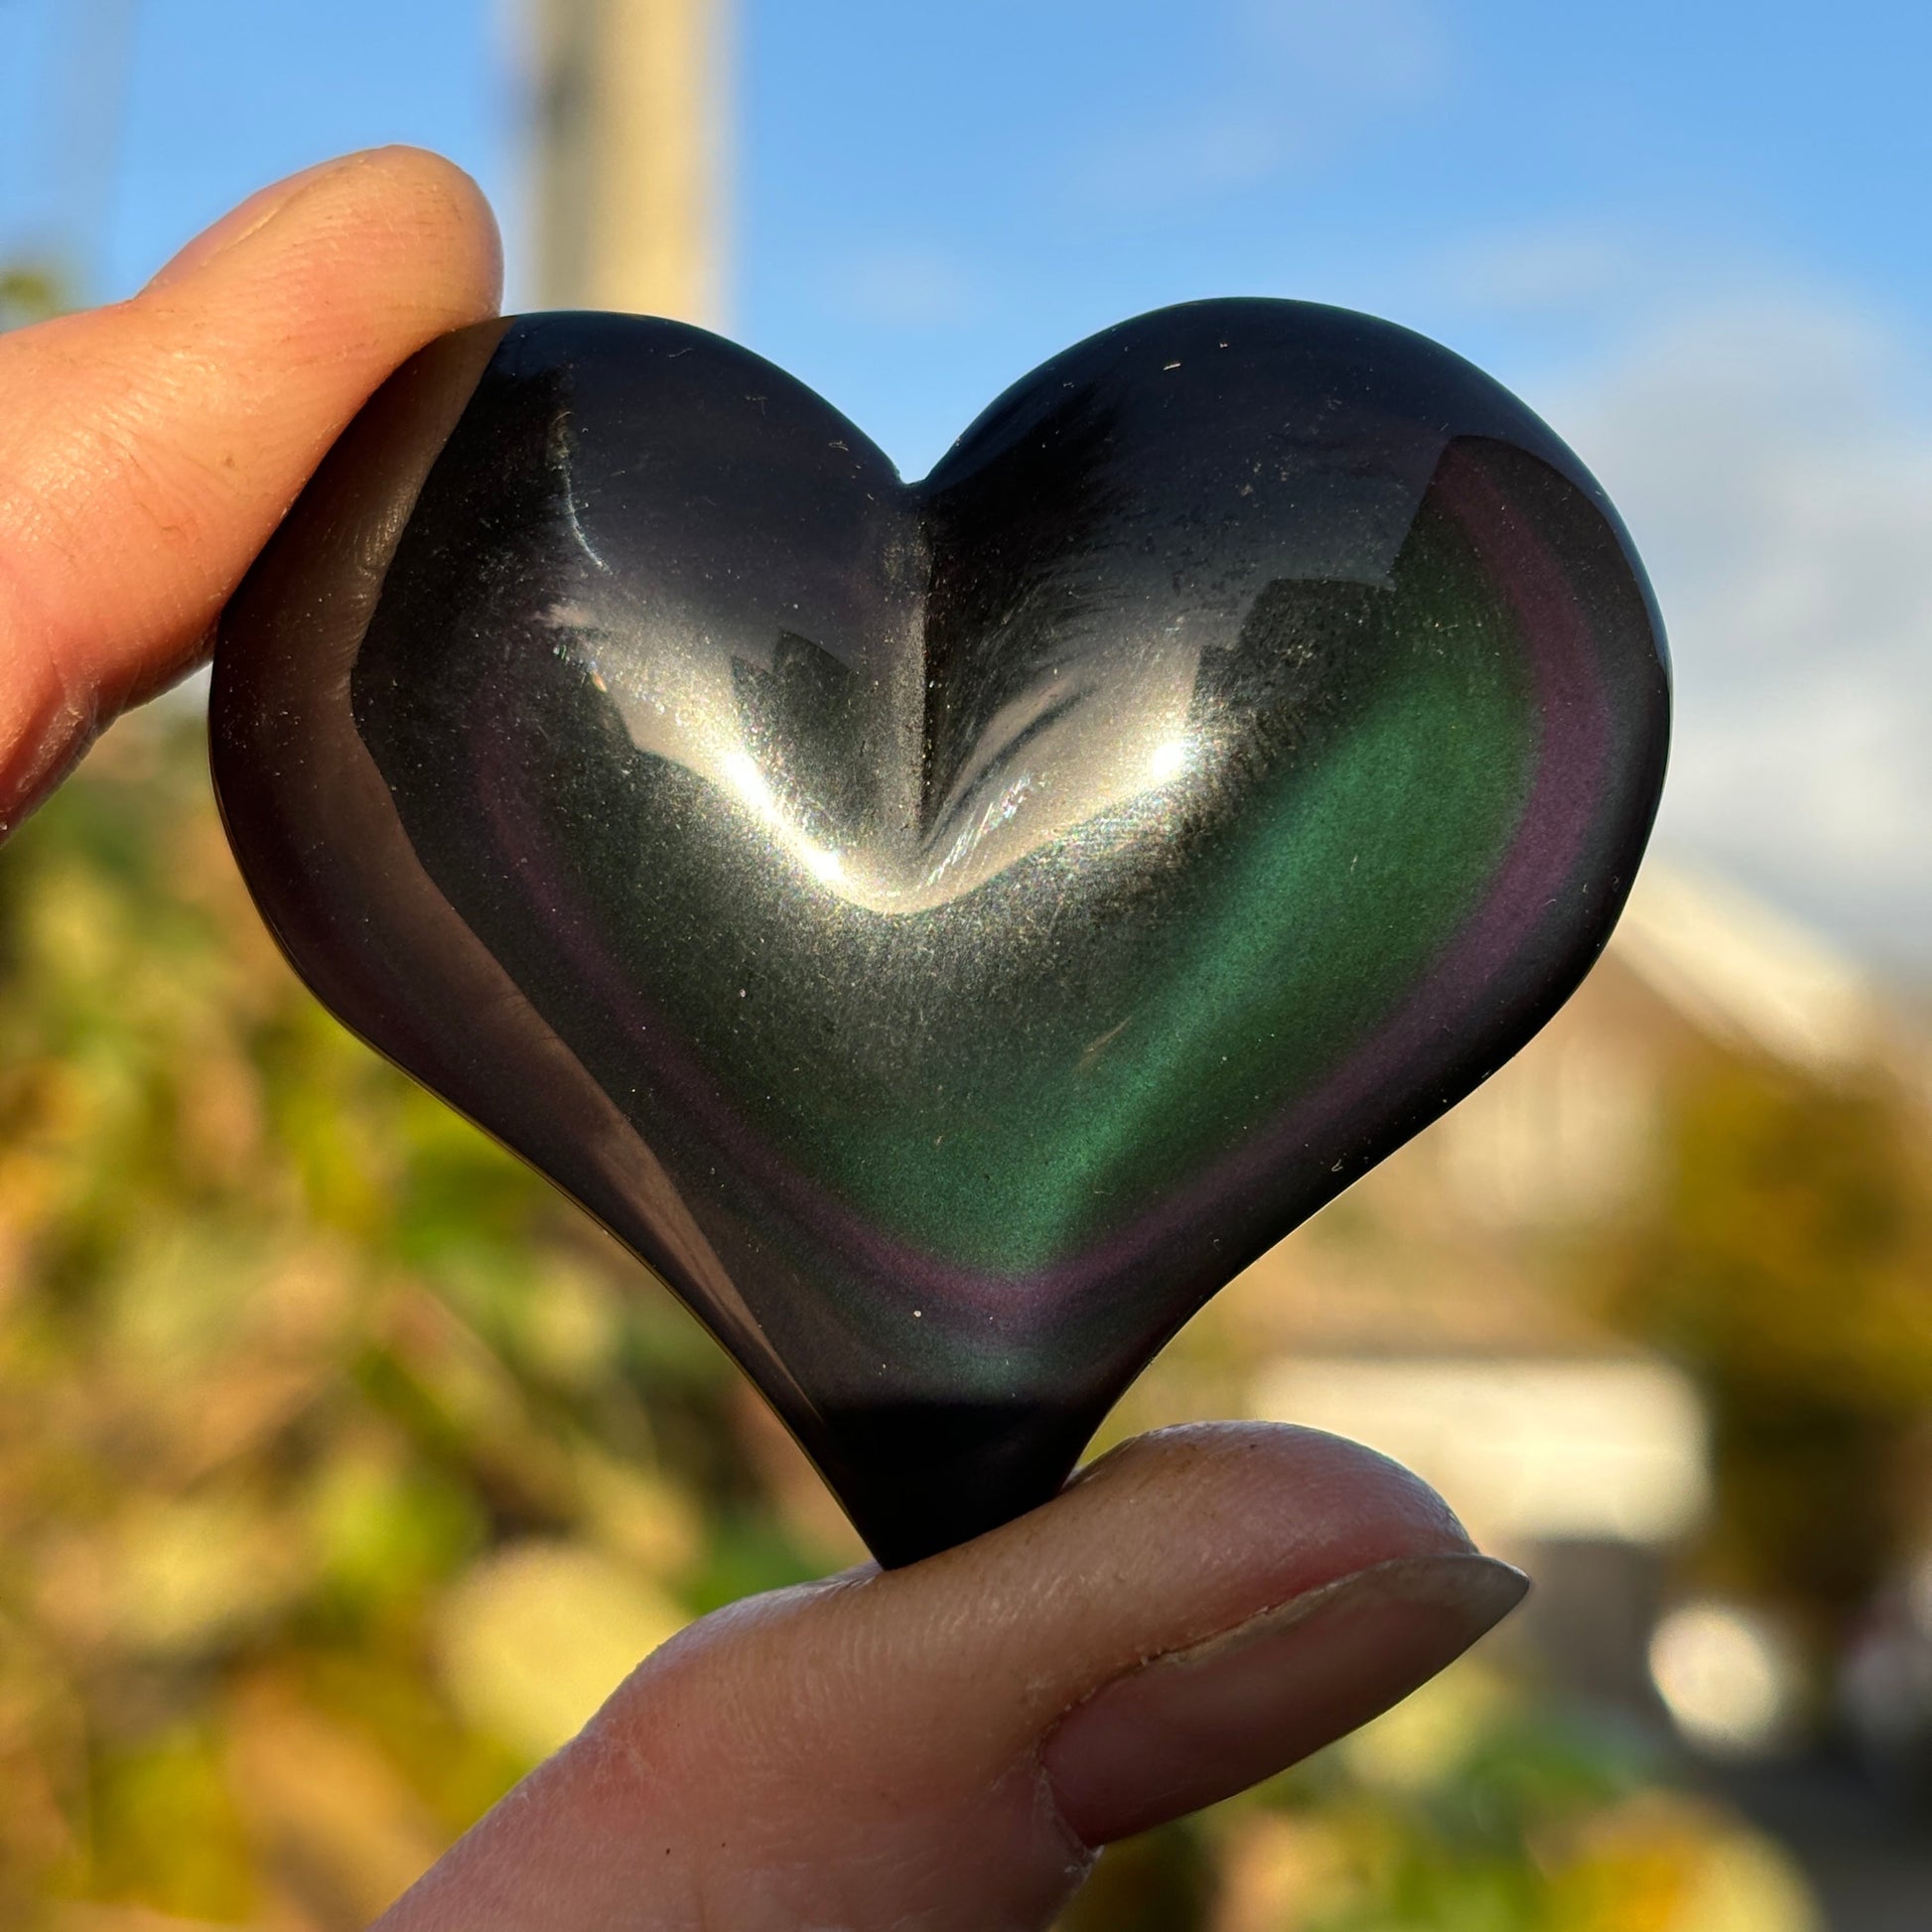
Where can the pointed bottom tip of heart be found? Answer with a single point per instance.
(918, 1477)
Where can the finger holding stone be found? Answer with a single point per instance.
(148, 448)
(948, 1744)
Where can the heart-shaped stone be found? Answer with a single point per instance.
(945, 929)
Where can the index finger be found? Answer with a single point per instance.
(147, 450)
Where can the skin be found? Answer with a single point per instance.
(876, 1750)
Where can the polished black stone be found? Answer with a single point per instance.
(945, 929)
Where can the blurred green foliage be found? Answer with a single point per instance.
(292, 1360)
(1784, 1260)
(29, 293)
(1473, 1808)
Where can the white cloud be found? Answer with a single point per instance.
(1203, 151)
(901, 286)
(1543, 271)
(1779, 487)
(1389, 52)
(1301, 78)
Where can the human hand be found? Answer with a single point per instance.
(942, 1746)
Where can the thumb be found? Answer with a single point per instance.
(944, 1746)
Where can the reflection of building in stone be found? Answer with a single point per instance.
(1419, 1313)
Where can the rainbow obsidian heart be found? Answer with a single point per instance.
(946, 929)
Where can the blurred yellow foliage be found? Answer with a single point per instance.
(538, 1634)
(1784, 1261)
(343, 1469)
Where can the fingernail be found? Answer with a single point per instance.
(260, 208)
(1199, 1725)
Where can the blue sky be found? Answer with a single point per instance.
(1694, 236)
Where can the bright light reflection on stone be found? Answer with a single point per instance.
(1168, 760)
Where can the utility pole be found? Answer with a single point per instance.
(630, 154)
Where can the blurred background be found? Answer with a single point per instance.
(320, 1420)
